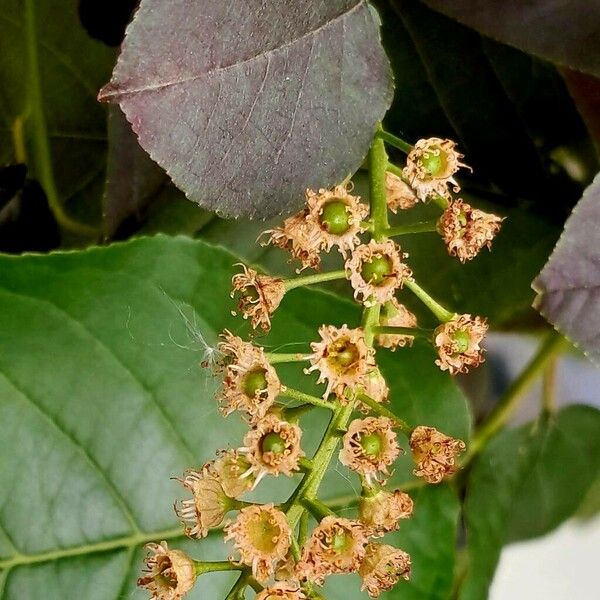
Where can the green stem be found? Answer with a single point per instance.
(202, 567)
(41, 148)
(306, 464)
(549, 386)
(309, 486)
(280, 357)
(317, 509)
(290, 284)
(423, 227)
(370, 321)
(412, 331)
(378, 408)
(237, 592)
(394, 141)
(442, 202)
(377, 167)
(307, 398)
(511, 398)
(435, 307)
(392, 168)
(293, 413)
(303, 529)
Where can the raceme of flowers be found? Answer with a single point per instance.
(271, 547)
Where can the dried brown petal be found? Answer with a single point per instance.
(458, 343)
(370, 446)
(430, 167)
(282, 591)
(434, 453)
(399, 194)
(170, 573)
(382, 568)
(208, 505)
(273, 447)
(356, 211)
(382, 512)
(300, 237)
(261, 535)
(342, 358)
(250, 383)
(259, 296)
(467, 230)
(376, 271)
(337, 545)
(394, 314)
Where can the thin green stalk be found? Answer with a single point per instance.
(41, 145)
(435, 307)
(442, 202)
(378, 408)
(202, 567)
(281, 357)
(306, 464)
(412, 331)
(309, 486)
(369, 322)
(549, 386)
(377, 167)
(394, 140)
(392, 168)
(423, 227)
(511, 399)
(317, 509)
(303, 529)
(307, 398)
(293, 413)
(290, 284)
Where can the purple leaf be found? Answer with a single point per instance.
(569, 285)
(132, 177)
(245, 104)
(562, 31)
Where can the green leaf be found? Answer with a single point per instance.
(245, 104)
(103, 400)
(50, 73)
(563, 32)
(525, 483)
(430, 538)
(569, 285)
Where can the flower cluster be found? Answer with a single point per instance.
(270, 544)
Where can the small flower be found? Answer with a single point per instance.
(458, 343)
(370, 446)
(467, 230)
(342, 358)
(399, 195)
(282, 591)
(373, 385)
(273, 447)
(382, 568)
(170, 573)
(394, 314)
(209, 504)
(300, 237)
(338, 215)
(259, 297)
(261, 534)
(233, 470)
(250, 383)
(382, 512)
(376, 271)
(337, 545)
(434, 453)
(430, 167)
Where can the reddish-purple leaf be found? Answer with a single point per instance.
(569, 285)
(132, 177)
(245, 104)
(562, 31)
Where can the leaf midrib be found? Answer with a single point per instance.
(113, 92)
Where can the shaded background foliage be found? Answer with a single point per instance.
(113, 334)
